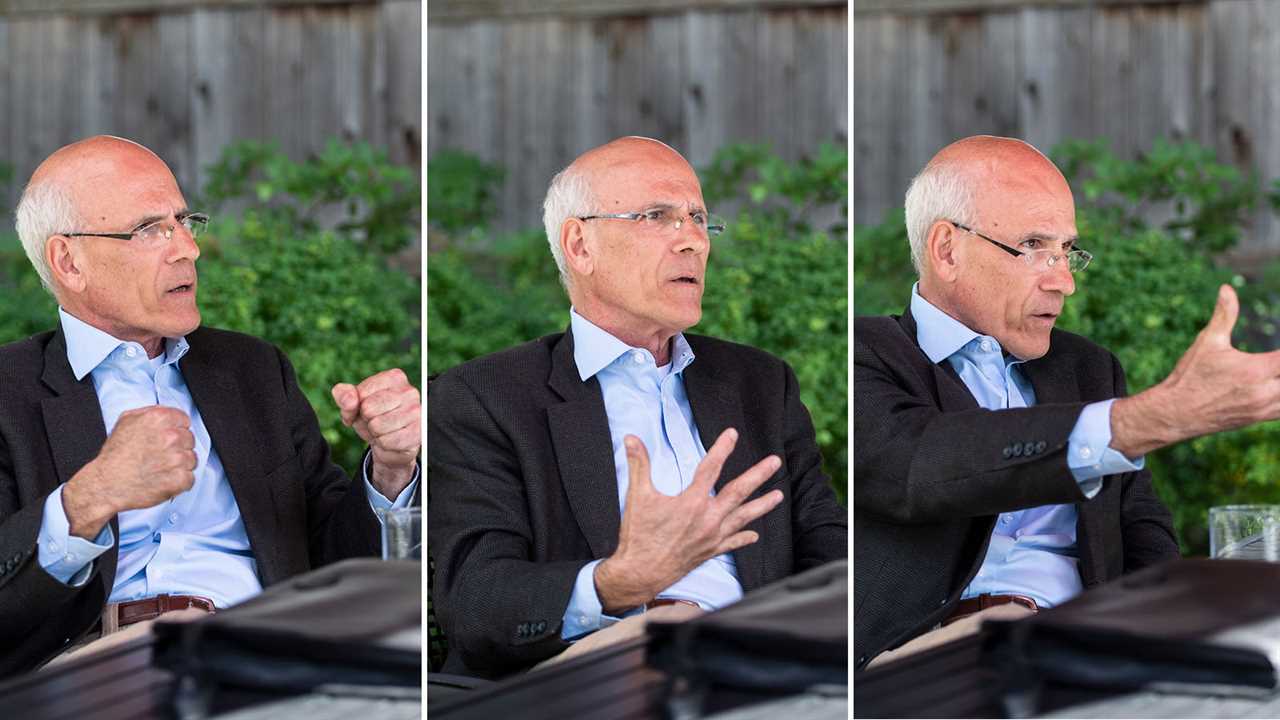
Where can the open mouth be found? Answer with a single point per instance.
(686, 279)
(185, 288)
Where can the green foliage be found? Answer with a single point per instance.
(775, 280)
(284, 267)
(1150, 290)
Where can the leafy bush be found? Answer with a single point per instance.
(775, 281)
(1146, 296)
(301, 262)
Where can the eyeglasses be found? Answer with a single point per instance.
(156, 232)
(668, 217)
(1038, 260)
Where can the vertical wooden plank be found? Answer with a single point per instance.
(213, 113)
(593, 92)
(1002, 62)
(1265, 59)
(1056, 46)
(873, 60)
(446, 61)
(170, 86)
(963, 102)
(926, 121)
(282, 64)
(666, 59)
(780, 76)
(9, 194)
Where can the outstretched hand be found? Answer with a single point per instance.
(662, 538)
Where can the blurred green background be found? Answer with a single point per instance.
(776, 278)
(314, 255)
(1159, 226)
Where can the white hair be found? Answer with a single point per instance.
(568, 195)
(44, 210)
(941, 191)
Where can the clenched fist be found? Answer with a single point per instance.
(386, 412)
(149, 458)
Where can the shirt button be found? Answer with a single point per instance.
(173, 519)
(155, 537)
(129, 351)
(1004, 519)
(638, 357)
(68, 557)
(1085, 452)
(986, 346)
(582, 619)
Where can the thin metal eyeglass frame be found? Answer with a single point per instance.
(713, 230)
(200, 218)
(1080, 252)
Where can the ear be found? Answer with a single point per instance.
(573, 243)
(942, 250)
(66, 262)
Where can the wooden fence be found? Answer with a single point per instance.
(530, 85)
(187, 77)
(930, 71)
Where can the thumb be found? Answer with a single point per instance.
(348, 400)
(639, 481)
(1224, 316)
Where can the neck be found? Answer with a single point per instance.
(656, 340)
(153, 345)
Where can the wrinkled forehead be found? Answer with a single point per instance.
(634, 182)
(116, 184)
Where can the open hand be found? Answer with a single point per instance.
(662, 538)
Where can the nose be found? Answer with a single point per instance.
(691, 238)
(182, 245)
(1059, 278)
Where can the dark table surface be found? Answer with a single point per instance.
(115, 684)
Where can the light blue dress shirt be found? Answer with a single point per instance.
(1032, 552)
(649, 402)
(192, 544)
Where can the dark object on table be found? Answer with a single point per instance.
(357, 622)
(1198, 625)
(779, 640)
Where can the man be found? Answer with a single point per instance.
(998, 464)
(585, 477)
(148, 464)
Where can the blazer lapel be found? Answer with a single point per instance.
(73, 427)
(953, 396)
(716, 407)
(216, 394)
(584, 450)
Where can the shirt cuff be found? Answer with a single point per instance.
(1089, 455)
(584, 615)
(66, 557)
(377, 500)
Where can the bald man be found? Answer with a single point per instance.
(148, 464)
(588, 481)
(998, 464)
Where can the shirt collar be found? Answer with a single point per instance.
(88, 347)
(938, 334)
(594, 348)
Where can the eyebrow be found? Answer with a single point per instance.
(665, 205)
(153, 218)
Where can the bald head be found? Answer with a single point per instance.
(604, 180)
(79, 188)
(969, 180)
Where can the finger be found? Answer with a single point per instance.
(1218, 331)
(746, 514)
(737, 540)
(382, 401)
(740, 488)
(385, 380)
(407, 440)
(708, 471)
(388, 423)
(348, 400)
(638, 480)
(169, 416)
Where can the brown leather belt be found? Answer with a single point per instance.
(118, 615)
(972, 605)
(659, 602)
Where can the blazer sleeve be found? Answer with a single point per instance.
(39, 615)
(340, 523)
(500, 609)
(914, 463)
(819, 525)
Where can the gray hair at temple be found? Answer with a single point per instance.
(940, 192)
(44, 210)
(568, 195)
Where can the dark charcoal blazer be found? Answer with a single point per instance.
(524, 493)
(932, 469)
(299, 509)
